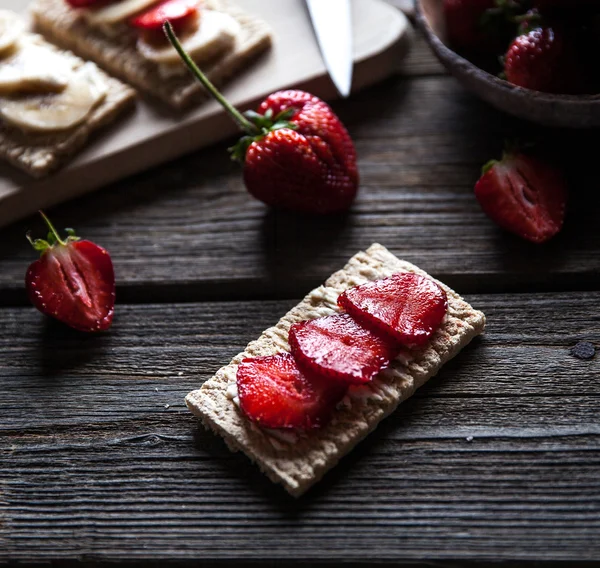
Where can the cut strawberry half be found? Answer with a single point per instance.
(523, 195)
(338, 347)
(275, 393)
(178, 12)
(73, 281)
(406, 306)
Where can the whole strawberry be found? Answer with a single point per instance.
(523, 195)
(543, 60)
(464, 20)
(73, 281)
(482, 28)
(308, 165)
(296, 153)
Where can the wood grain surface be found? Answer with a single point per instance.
(494, 463)
(496, 457)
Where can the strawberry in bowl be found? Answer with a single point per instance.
(533, 60)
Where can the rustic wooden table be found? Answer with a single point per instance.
(497, 459)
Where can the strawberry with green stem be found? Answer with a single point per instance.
(72, 281)
(296, 153)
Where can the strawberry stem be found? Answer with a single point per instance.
(241, 120)
(488, 166)
(52, 229)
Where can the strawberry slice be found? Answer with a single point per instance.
(175, 11)
(274, 393)
(73, 281)
(406, 306)
(338, 347)
(523, 195)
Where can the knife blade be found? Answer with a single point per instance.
(332, 22)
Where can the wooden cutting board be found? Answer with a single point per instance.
(152, 134)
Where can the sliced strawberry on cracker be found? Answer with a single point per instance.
(338, 347)
(275, 393)
(73, 281)
(176, 12)
(406, 306)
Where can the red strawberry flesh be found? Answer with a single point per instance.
(275, 393)
(338, 347)
(406, 306)
(524, 195)
(72, 281)
(175, 11)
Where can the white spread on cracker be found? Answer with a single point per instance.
(232, 394)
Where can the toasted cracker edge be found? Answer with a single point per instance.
(39, 154)
(119, 56)
(300, 465)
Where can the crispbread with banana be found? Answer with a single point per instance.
(126, 39)
(50, 100)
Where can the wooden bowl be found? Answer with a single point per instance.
(581, 111)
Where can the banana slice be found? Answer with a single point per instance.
(51, 112)
(11, 27)
(32, 67)
(116, 13)
(215, 34)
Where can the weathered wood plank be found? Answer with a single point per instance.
(95, 466)
(420, 59)
(191, 230)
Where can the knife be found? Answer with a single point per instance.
(332, 22)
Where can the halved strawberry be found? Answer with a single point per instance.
(73, 281)
(340, 348)
(406, 306)
(274, 393)
(524, 195)
(175, 11)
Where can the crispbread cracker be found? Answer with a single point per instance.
(38, 154)
(299, 462)
(119, 56)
